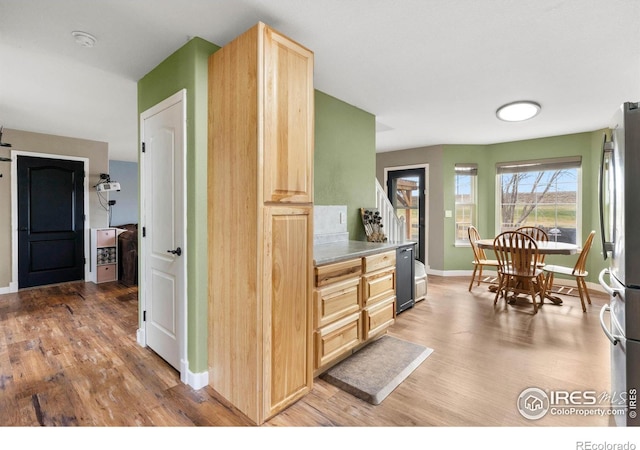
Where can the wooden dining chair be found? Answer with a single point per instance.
(517, 272)
(539, 235)
(479, 257)
(578, 272)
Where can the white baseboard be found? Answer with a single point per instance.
(455, 273)
(195, 380)
(13, 287)
(449, 273)
(141, 337)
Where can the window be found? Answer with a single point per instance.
(465, 213)
(543, 193)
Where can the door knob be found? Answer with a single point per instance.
(177, 251)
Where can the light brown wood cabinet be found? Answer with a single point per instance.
(288, 119)
(337, 339)
(378, 285)
(260, 211)
(354, 302)
(337, 300)
(337, 305)
(379, 293)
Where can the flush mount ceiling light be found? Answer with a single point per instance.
(518, 111)
(84, 39)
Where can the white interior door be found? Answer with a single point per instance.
(163, 240)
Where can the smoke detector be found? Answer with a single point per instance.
(84, 39)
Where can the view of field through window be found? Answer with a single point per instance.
(547, 199)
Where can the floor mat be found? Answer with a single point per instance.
(377, 369)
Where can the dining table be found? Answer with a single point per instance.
(544, 248)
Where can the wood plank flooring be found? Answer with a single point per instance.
(69, 357)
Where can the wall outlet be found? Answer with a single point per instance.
(448, 213)
(343, 218)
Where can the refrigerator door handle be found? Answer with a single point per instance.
(608, 289)
(614, 339)
(605, 160)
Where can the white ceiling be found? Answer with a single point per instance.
(431, 71)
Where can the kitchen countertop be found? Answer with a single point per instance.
(343, 250)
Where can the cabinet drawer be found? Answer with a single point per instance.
(106, 238)
(330, 273)
(336, 301)
(379, 317)
(378, 286)
(379, 261)
(334, 340)
(106, 273)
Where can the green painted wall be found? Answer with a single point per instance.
(344, 161)
(187, 69)
(343, 174)
(587, 145)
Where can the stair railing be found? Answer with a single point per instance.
(395, 227)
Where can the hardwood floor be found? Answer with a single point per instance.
(68, 356)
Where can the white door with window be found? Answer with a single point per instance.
(163, 237)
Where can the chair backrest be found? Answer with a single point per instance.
(516, 253)
(582, 259)
(474, 236)
(537, 234)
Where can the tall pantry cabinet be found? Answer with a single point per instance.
(260, 210)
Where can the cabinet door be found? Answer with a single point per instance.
(288, 120)
(379, 317)
(336, 301)
(379, 286)
(378, 261)
(335, 340)
(336, 272)
(287, 287)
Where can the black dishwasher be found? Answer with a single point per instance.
(405, 282)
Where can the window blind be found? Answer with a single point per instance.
(540, 165)
(466, 169)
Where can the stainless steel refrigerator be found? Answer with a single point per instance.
(620, 230)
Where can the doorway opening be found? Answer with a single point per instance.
(406, 189)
